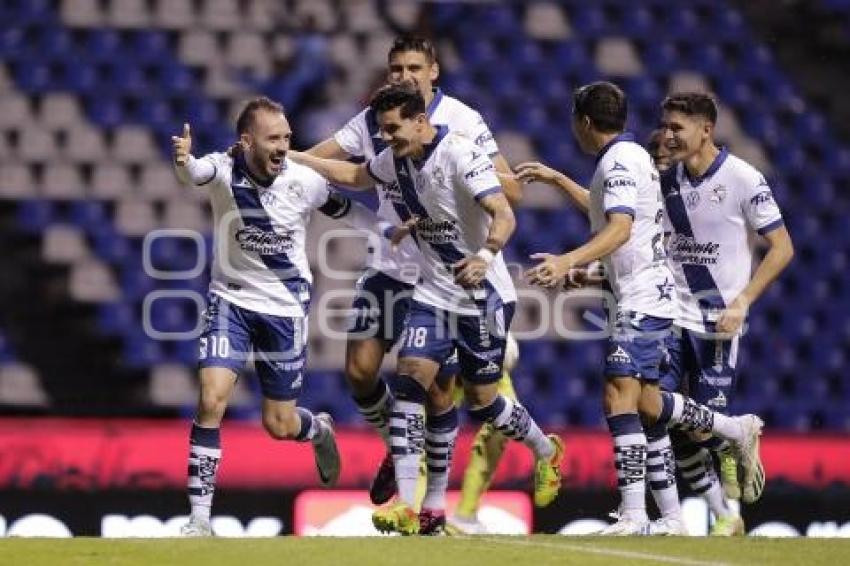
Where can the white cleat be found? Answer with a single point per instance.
(625, 527)
(668, 526)
(464, 526)
(326, 451)
(752, 484)
(196, 528)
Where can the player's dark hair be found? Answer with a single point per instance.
(413, 43)
(403, 95)
(692, 104)
(245, 120)
(604, 103)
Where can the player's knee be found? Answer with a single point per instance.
(361, 368)
(281, 425)
(212, 405)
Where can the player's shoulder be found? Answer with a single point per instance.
(457, 147)
(455, 107)
(624, 157)
(219, 159)
(302, 173)
(740, 172)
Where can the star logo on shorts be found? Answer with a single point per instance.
(665, 290)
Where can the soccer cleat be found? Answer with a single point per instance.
(729, 474)
(396, 518)
(383, 485)
(626, 527)
(547, 474)
(432, 522)
(668, 526)
(196, 528)
(730, 526)
(458, 525)
(752, 485)
(326, 451)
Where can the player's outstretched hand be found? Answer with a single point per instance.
(470, 271)
(532, 171)
(550, 271)
(403, 231)
(581, 277)
(182, 146)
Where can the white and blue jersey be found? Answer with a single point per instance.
(626, 181)
(711, 221)
(259, 258)
(360, 138)
(443, 190)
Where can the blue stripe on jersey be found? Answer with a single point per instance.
(378, 145)
(699, 277)
(429, 148)
(449, 254)
(248, 201)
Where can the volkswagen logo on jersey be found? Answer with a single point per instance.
(253, 239)
(692, 200)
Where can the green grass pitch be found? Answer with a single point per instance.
(537, 550)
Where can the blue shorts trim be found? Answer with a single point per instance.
(232, 334)
(636, 346)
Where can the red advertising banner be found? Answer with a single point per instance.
(55, 453)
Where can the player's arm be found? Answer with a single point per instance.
(779, 254)
(360, 217)
(533, 171)
(188, 169)
(511, 186)
(471, 270)
(353, 175)
(328, 149)
(553, 268)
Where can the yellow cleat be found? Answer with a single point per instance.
(547, 474)
(729, 475)
(396, 518)
(731, 526)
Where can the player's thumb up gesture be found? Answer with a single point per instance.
(182, 146)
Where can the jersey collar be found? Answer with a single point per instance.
(429, 148)
(712, 169)
(624, 137)
(242, 165)
(438, 97)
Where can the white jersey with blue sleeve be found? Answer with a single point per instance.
(259, 257)
(443, 191)
(625, 181)
(711, 222)
(360, 138)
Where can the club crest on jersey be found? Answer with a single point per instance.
(267, 197)
(297, 189)
(253, 239)
(718, 194)
(692, 200)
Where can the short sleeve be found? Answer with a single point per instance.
(759, 207)
(476, 172)
(316, 187)
(351, 138)
(474, 128)
(619, 186)
(382, 167)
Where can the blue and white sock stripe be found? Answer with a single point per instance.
(407, 428)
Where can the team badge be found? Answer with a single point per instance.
(718, 194)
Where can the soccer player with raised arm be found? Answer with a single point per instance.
(259, 292)
(464, 299)
(385, 288)
(717, 205)
(624, 206)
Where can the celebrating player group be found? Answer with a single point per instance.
(672, 243)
